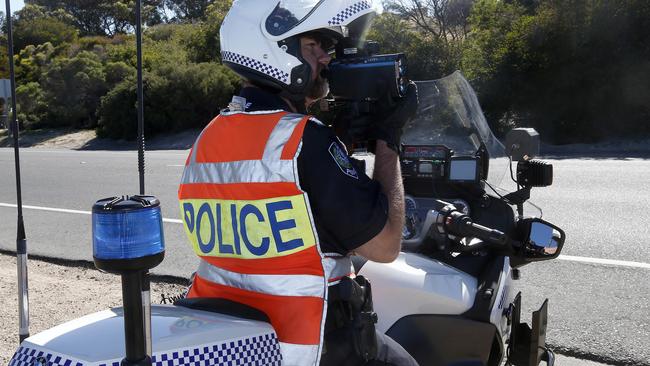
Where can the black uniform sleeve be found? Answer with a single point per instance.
(348, 207)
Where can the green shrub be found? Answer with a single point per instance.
(118, 71)
(31, 105)
(73, 88)
(176, 97)
(117, 112)
(32, 62)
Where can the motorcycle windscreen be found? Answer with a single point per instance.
(449, 114)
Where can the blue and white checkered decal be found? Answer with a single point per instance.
(343, 15)
(31, 357)
(269, 70)
(262, 350)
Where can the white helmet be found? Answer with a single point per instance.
(258, 37)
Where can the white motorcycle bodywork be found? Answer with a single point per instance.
(180, 336)
(417, 285)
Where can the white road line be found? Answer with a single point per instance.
(611, 262)
(175, 221)
(570, 258)
(46, 209)
(72, 152)
(182, 153)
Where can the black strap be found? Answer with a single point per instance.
(223, 306)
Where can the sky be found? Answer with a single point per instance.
(15, 5)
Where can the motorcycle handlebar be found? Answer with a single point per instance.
(451, 221)
(462, 225)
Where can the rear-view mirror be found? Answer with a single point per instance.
(543, 240)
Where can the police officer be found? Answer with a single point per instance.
(271, 202)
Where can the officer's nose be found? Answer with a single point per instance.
(324, 58)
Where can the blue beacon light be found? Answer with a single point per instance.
(127, 229)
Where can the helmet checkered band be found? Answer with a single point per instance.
(255, 65)
(350, 11)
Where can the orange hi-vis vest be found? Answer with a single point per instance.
(251, 224)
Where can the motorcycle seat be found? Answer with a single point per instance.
(223, 306)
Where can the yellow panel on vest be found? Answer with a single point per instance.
(248, 229)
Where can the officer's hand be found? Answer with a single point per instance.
(392, 116)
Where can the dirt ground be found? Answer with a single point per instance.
(58, 293)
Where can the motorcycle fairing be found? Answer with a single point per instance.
(180, 336)
(415, 284)
(489, 289)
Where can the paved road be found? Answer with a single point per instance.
(599, 312)
(74, 180)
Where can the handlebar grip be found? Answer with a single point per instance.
(460, 224)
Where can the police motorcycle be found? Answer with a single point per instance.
(450, 298)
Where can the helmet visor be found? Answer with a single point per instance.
(288, 14)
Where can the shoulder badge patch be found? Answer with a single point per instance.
(341, 159)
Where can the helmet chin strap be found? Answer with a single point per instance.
(299, 99)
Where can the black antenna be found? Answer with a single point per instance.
(144, 278)
(138, 35)
(21, 240)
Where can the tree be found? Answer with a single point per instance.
(445, 20)
(204, 45)
(186, 10)
(96, 17)
(441, 26)
(575, 70)
(486, 58)
(35, 25)
(426, 57)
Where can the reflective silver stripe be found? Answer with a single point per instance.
(245, 171)
(299, 354)
(337, 267)
(280, 136)
(192, 159)
(270, 169)
(280, 285)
